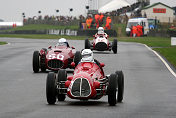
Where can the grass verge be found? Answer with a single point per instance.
(169, 53)
(3, 43)
(43, 27)
(42, 36)
(150, 41)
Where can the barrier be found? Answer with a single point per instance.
(111, 33)
(68, 32)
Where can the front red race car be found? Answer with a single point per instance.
(87, 82)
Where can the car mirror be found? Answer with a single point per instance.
(49, 47)
(73, 64)
(102, 64)
(93, 35)
(73, 47)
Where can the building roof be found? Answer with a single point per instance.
(152, 5)
(113, 5)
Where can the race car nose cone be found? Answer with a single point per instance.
(81, 88)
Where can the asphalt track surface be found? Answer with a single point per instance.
(150, 89)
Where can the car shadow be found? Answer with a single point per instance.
(47, 71)
(86, 103)
(102, 52)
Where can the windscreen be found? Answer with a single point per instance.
(61, 44)
(132, 24)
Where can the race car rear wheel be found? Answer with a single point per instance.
(87, 44)
(61, 78)
(36, 61)
(112, 90)
(120, 80)
(114, 46)
(51, 88)
(77, 57)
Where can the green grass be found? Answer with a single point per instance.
(43, 27)
(42, 36)
(121, 33)
(3, 43)
(169, 53)
(150, 41)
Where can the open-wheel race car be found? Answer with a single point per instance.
(101, 42)
(87, 82)
(59, 57)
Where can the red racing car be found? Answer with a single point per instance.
(87, 82)
(59, 57)
(101, 42)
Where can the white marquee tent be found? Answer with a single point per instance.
(113, 5)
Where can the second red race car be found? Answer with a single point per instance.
(88, 82)
(59, 57)
(101, 42)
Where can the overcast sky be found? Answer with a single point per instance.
(11, 10)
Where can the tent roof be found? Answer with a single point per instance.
(113, 5)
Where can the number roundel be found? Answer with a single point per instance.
(55, 56)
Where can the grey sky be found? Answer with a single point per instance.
(11, 10)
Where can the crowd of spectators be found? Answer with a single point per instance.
(134, 10)
(60, 20)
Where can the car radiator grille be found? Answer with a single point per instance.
(81, 88)
(55, 64)
(101, 46)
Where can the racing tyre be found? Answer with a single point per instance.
(36, 61)
(77, 57)
(120, 81)
(87, 44)
(43, 68)
(61, 78)
(114, 46)
(51, 88)
(112, 90)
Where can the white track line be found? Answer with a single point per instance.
(165, 63)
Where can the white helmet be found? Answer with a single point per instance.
(62, 40)
(87, 55)
(100, 30)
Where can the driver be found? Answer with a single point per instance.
(87, 56)
(62, 42)
(101, 32)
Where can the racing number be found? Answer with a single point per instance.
(59, 56)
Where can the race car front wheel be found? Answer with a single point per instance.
(87, 44)
(61, 79)
(120, 81)
(51, 88)
(36, 61)
(112, 90)
(77, 57)
(114, 46)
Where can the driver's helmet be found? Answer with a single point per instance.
(100, 30)
(62, 42)
(87, 55)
